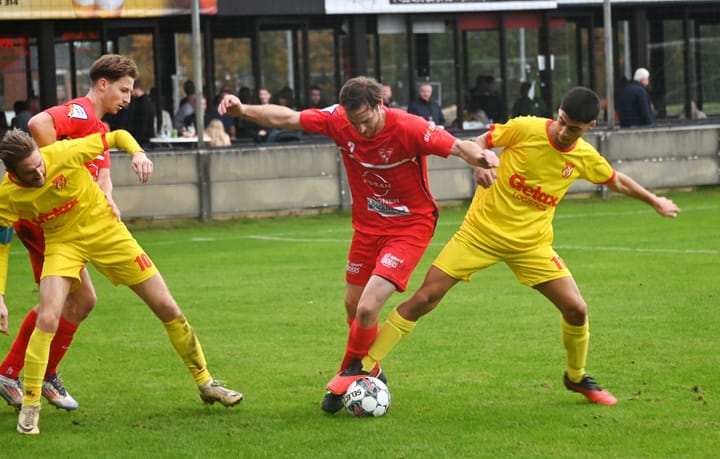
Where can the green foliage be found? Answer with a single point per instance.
(479, 377)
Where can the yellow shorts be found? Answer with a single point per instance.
(114, 252)
(466, 254)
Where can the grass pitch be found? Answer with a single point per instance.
(479, 377)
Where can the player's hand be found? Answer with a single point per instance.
(142, 166)
(230, 105)
(487, 159)
(485, 177)
(115, 209)
(666, 207)
(3, 316)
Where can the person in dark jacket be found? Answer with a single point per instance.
(425, 107)
(634, 107)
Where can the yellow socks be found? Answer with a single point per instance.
(576, 339)
(188, 347)
(392, 331)
(36, 359)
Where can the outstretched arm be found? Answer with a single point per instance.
(141, 164)
(626, 185)
(269, 115)
(474, 155)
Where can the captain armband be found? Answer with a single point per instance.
(6, 233)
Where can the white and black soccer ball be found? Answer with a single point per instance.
(367, 397)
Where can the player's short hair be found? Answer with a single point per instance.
(15, 146)
(112, 67)
(360, 91)
(581, 104)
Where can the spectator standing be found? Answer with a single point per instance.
(425, 107)
(141, 115)
(525, 105)
(634, 107)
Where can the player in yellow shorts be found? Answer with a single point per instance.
(510, 221)
(52, 188)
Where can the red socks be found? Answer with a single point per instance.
(359, 341)
(15, 360)
(60, 345)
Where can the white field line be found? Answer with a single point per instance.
(310, 237)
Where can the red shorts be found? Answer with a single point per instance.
(393, 258)
(33, 239)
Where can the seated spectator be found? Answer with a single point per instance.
(387, 96)
(190, 126)
(316, 98)
(425, 107)
(186, 106)
(28, 109)
(216, 132)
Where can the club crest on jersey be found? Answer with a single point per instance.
(351, 146)
(385, 154)
(77, 112)
(60, 181)
(568, 170)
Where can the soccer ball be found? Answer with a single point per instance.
(367, 397)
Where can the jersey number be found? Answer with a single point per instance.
(143, 262)
(559, 263)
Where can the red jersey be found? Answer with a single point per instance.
(386, 173)
(76, 119)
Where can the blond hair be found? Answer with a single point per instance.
(217, 134)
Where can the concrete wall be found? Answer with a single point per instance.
(300, 177)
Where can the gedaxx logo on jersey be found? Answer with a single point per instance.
(568, 170)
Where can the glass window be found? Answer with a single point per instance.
(707, 46)
(139, 47)
(233, 64)
(321, 60)
(393, 65)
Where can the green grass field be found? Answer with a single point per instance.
(479, 377)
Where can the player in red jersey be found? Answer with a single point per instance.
(112, 77)
(393, 213)
(510, 221)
